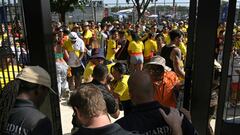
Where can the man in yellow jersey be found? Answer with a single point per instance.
(87, 34)
(96, 58)
(166, 36)
(181, 27)
(150, 47)
(76, 48)
(112, 46)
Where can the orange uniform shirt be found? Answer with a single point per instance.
(164, 90)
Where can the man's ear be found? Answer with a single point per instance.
(38, 90)
(77, 112)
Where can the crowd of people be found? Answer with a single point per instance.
(107, 67)
(83, 46)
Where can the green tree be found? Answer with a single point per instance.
(141, 6)
(63, 6)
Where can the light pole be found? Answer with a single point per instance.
(174, 9)
(95, 13)
(117, 4)
(164, 6)
(92, 9)
(155, 7)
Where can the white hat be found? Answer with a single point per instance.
(73, 36)
(85, 24)
(36, 75)
(158, 60)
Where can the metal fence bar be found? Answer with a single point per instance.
(37, 18)
(189, 57)
(225, 66)
(14, 40)
(206, 32)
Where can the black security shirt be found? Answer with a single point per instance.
(111, 129)
(147, 119)
(25, 119)
(111, 103)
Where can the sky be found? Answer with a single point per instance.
(161, 1)
(112, 2)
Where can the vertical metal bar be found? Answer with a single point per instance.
(190, 48)
(225, 66)
(24, 30)
(16, 23)
(5, 23)
(37, 18)
(2, 25)
(206, 33)
(2, 36)
(14, 41)
(230, 89)
(2, 66)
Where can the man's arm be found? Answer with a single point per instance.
(176, 58)
(82, 50)
(116, 48)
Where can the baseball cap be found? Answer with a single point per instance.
(72, 37)
(86, 24)
(158, 60)
(36, 75)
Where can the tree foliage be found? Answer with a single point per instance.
(63, 6)
(141, 6)
(107, 19)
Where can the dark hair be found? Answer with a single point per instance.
(66, 31)
(158, 36)
(103, 25)
(150, 35)
(113, 31)
(135, 37)
(120, 67)
(121, 32)
(174, 34)
(100, 72)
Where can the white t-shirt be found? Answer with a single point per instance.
(74, 60)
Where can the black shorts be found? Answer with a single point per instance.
(77, 71)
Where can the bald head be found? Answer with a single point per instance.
(140, 87)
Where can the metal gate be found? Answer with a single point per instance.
(26, 29)
(204, 20)
(26, 39)
(14, 51)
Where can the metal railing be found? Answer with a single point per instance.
(12, 36)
